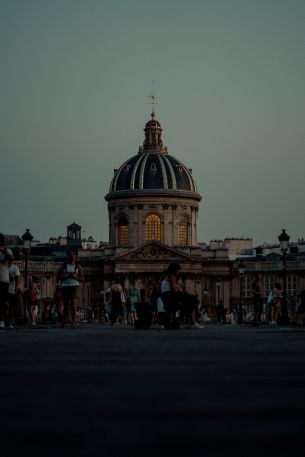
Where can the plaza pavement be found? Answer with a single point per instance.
(101, 390)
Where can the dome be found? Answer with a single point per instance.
(153, 169)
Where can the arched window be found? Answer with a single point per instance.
(153, 228)
(183, 233)
(123, 230)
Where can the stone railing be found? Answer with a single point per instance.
(39, 267)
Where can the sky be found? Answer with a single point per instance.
(229, 80)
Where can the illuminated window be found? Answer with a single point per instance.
(153, 228)
(123, 234)
(123, 230)
(183, 233)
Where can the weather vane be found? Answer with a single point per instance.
(152, 97)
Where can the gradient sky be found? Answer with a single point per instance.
(230, 81)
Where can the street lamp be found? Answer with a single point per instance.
(241, 270)
(218, 284)
(26, 240)
(219, 308)
(205, 295)
(284, 243)
(205, 292)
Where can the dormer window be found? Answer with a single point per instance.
(153, 168)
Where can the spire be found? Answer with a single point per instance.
(153, 132)
(152, 97)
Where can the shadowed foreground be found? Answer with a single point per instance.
(116, 391)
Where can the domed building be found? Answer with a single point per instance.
(153, 197)
(153, 206)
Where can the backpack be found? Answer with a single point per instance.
(270, 298)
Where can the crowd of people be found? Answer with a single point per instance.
(169, 304)
(275, 310)
(19, 305)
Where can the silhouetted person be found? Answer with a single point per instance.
(6, 256)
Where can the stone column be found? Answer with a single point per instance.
(131, 231)
(174, 241)
(166, 224)
(141, 226)
(196, 224)
(111, 224)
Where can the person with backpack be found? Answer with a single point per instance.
(70, 275)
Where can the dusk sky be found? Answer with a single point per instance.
(230, 85)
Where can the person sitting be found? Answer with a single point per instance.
(176, 300)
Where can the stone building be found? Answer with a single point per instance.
(153, 207)
(152, 196)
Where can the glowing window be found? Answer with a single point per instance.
(183, 233)
(153, 228)
(123, 234)
(123, 229)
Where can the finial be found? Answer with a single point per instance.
(152, 97)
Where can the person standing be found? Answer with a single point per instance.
(13, 294)
(144, 312)
(59, 303)
(277, 297)
(300, 309)
(134, 298)
(32, 300)
(6, 256)
(257, 299)
(116, 301)
(171, 295)
(70, 275)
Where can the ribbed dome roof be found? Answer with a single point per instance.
(153, 169)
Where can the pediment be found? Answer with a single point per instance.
(153, 251)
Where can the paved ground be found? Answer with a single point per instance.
(109, 391)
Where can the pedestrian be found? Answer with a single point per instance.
(143, 312)
(6, 256)
(70, 275)
(154, 295)
(31, 296)
(133, 295)
(14, 292)
(257, 300)
(58, 303)
(220, 312)
(277, 303)
(300, 309)
(116, 301)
